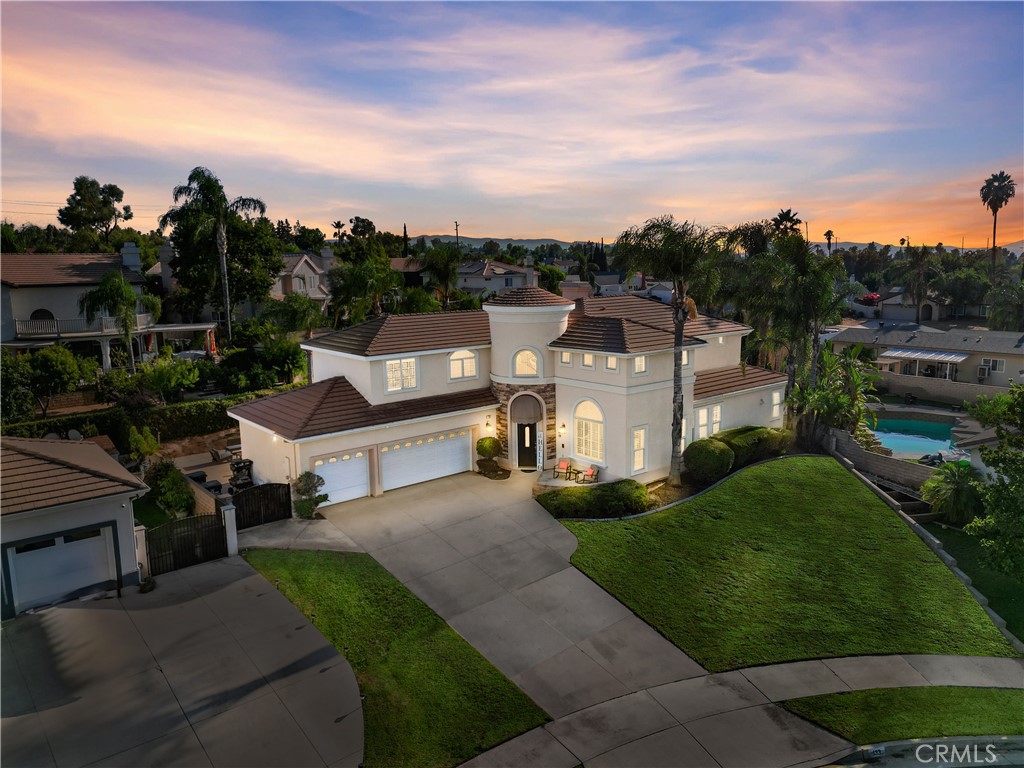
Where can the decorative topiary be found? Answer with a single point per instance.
(306, 489)
(708, 460)
(488, 447)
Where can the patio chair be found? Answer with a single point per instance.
(588, 476)
(219, 455)
(563, 469)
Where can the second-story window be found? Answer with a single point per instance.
(462, 365)
(640, 365)
(588, 360)
(300, 284)
(525, 363)
(400, 374)
(611, 363)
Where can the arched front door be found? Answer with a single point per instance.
(526, 415)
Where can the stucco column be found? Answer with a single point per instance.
(105, 353)
(230, 528)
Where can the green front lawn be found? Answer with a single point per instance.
(431, 698)
(793, 559)
(890, 714)
(1005, 593)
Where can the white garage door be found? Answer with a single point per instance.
(425, 458)
(346, 476)
(46, 571)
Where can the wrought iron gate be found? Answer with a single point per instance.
(190, 541)
(262, 504)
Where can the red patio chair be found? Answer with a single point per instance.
(563, 469)
(589, 476)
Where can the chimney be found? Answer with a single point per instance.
(531, 276)
(131, 257)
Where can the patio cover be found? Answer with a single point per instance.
(930, 355)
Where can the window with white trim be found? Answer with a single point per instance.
(682, 437)
(462, 364)
(611, 363)
(700, 429)
(400, 374)
(639, 449)
(995, 364)
(588, 431)
(716, 418)
(588, 360)
(565, 358)
(776, 404)
(686, 357)
(525, 363)
(639, 365)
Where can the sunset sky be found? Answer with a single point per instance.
(566, 120)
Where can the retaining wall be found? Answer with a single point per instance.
(943, 390)
(902, 472)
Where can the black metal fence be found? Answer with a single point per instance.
(262, 504)
(190, 541)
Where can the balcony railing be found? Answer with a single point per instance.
(78, 325)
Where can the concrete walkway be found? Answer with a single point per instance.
(296, 534)
(213, 668)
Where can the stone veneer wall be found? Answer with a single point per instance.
(546, 392)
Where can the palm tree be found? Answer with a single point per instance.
(206, 208)
(786, 222)
(1007, 307)
(294, 313)
(584, 266)
(916, 271)
(995, 193)
(115, 296)
(684, 252)
(442, 264)
(339, 228)
(953, 491)
(829, 235)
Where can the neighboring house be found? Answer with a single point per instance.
(610, 283)
(68, 527)
(402, 399)
(954, 365)
(40, 296)
(493, 277)
(901, 308)
(410, 270)
(304, 275)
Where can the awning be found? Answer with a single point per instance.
(929, 355)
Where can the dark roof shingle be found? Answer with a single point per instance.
(396, 334)
(37, 474)
(334, 405)
(953, 340)
(22, 270)
(721, 381)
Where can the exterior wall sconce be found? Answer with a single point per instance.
(561, 429)
(488, 426)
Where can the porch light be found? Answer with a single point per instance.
(488, 426)
(561, 429)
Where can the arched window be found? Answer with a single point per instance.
(41, 314)
(525, 363)
(462, 365)
(588, 431)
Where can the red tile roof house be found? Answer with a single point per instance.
(39, 294)
(403, 399)
(67, 522)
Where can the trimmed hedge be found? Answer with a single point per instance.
(113, 422)
(708, 460)
(618, 499)
(753, 444)
(488, 447)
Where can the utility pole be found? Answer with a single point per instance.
(457, 246)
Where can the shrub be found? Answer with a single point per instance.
(488, 447)
(113, 423)
(753, 444)
(708, 460)
(306, 489)
(618, 499)
(170, 489)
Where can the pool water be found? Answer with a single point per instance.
(910, 438)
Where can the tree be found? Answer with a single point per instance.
(491, 249)
(786, 222)
(294, 313)
(915, 271)
(363, 287)
(1001, 529)
(683, 252)
(995, 193)
(15, 388)
(306, 489)
(115, 296)
(93, 207)
(339, 229)
(362, 229)
(51, 371)
(204, 208)
(585, 266)
(10, 240)
(961, 287)
(1007, 307)
(953, 491)
(549, 277)
(841, 396)
(167, 377)
(442, 264)
(829, 235)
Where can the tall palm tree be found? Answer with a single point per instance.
(995, 193)
(585, 268)
(916, 271)
(442, 264)
(685, 253)
(339, 228)
(786, 222)
(206, 208)
(829, 236)
(115, 296)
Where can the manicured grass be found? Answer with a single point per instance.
(869, 717)
(431, 698)
(792, 559)
(148, 513)
(1005, 593)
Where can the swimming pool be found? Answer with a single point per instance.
(908, 438)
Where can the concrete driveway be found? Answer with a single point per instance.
(213, 668)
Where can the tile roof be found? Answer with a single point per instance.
(20, 270)
(37, 474)
(397, 334)
(631, 324)
(528, 296)
(334, 405)
(953, 340)
(736, 378)
(405, 264)
(489, 268)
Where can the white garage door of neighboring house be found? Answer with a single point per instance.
(45, 571)
(346, 476)
(425, 458)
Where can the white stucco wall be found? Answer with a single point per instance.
(717, 354)
(515, 328)
(740, 409)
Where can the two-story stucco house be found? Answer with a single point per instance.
(402, 399)
(493, 277)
